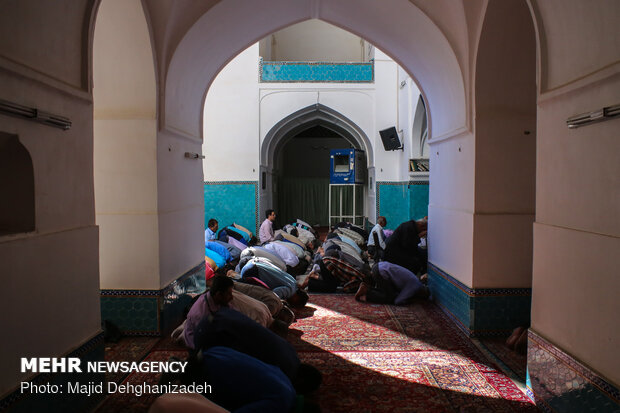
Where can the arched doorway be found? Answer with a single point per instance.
(301, 174)
(331, 130)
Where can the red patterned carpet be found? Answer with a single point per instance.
(375, 358)
(514, 361)
(134, 348)
(378, 358)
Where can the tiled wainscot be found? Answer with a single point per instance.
(559, 383)
(480, 312)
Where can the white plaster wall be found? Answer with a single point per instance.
(54, 304)
(316, 40)
(389, 165)
(124, 74)
(231, 121)
(576, 237)
(126, 201)
(125, 148)
(265, 49)
(56, 23)
(575, 295)
(52, 273)
(451, 202)
(505, 127)
(578, 173)
(502, 250)
(352, 101)
(451, 197)
(584, 40)
(408, 97)
(180, 204)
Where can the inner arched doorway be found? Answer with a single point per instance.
(301, 174)
(315, 130)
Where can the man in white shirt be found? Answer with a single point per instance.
(378, 229)
(265, 233)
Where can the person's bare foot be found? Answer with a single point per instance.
(361, 292)
(231, 274)
(306, 281)
(514, 337)
(521, 343)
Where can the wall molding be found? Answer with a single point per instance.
(575, 85)
(24, 72)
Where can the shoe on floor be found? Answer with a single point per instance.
(286, 315)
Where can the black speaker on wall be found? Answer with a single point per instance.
(390, 139)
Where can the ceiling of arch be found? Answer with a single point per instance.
(192, 41)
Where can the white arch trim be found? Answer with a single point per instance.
(307, 117)
(396, 26)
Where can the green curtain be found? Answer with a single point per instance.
(303, 198)
(346, 192)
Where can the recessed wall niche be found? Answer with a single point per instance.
(16, 186)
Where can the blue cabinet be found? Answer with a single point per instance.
(347, 166)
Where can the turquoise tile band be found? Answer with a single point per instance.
(318, 72)
(480, 312)
(559, 383)
(152, 312)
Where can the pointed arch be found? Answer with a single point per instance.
(415, 42)
(308, 117)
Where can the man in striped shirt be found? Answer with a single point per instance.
(331, 273)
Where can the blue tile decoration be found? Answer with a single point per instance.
(178, 294)
(393, 202)
(132, 314)
(92, 350)
(401, 201)
(232, 202)
(559, 383)
(418, 199)
(480, 312)
(152, 312)
(323, 72)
